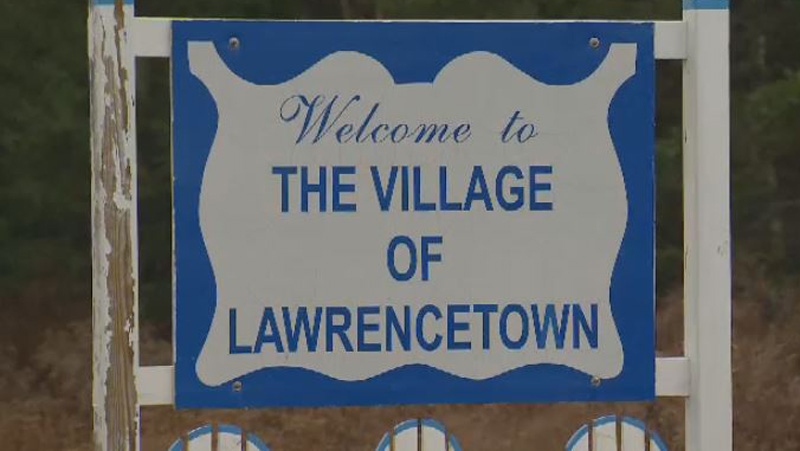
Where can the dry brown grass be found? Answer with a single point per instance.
(45, 398)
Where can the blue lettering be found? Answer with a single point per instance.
(310, 122)
(384, 195)
(360, 136)
(434, 344)
(268, 332)
(431, 129)
(478, 190)
(462, 133)
(485, 310)
(454, 326)
(443, 203)
(339, 187)
(233, 347)
(293, 329)
(526, 132)
(419, 205)
(284, 172)
(363, 327)
(319, 116)
(523, 134)
(395, 134)
(306, 188)
(404, 185)
(427, 256)
(345, 133)
(412, 258)
(400, 330)
(377, 129)
(523, 335)
(507, 130)
(579, 323)
(300, 101)
(434, 327)
(340, 330)
(551, 322)
(536, 187)
(516, 191)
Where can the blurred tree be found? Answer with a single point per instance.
(766, 182)
(44, 157)
(44, 172)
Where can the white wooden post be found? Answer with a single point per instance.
(707, 269)
(114, 227)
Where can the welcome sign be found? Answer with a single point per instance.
(384, 213)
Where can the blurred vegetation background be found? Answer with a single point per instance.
(45, 263)
(44, 159)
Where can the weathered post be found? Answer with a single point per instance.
(707, 268)
(114, 236)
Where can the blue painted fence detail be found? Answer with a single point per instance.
(608, 433)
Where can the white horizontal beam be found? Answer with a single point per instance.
(156, 383)
(152, 38)
(670, 40)
(672, 377)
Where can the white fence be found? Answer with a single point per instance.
(702, 375)
(609, 433)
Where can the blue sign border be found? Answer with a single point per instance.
(556, 53)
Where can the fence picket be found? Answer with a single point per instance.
(223, 437)
(615, 433)
(419, 435)
(608, 433)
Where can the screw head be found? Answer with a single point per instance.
(596, 381)
(594, 42)
(237, 386)
(234, 43)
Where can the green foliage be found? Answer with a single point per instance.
(669, 212)
(44, 149)
(44, 169)
(766, 156)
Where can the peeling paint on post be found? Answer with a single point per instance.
(114, 227)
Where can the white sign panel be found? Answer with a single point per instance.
(364, 219)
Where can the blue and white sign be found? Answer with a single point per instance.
(392, 213)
